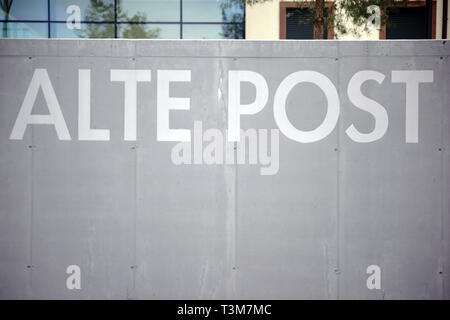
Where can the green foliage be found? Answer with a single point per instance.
(98, 10)
(140, 31)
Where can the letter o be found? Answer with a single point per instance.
(279, 106)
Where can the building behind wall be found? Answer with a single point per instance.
(273, 20)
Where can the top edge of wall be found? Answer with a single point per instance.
(222, 48)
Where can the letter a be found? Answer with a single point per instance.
(374, 280)
(74, 280)
(40, 80)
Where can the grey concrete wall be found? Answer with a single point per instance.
(141, 227)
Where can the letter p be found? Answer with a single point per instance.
(235, 108)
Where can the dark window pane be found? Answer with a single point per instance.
(90, 10)
(88, 30)
(24, 30)
(213, 31)
(299, 24)
(149, 31)
(149, 10)
(213, 11)
(25, 10)
(407, 23)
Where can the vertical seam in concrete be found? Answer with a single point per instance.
(442, 229)
(135, 151)
(234, 222)
(338, 181)
(31, 215)
(134, 222)
(232, 205)
(131, 283)
(235, 226)
(443, 261)
(236, 215)
(30, 266)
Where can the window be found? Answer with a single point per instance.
(26, 10)
(24, 30)
(213, 19)
(296, 21)
(409, 22)
(158, 19)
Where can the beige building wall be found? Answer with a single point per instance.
(263, 23)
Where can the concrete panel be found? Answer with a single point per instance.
(142, 227)
(182, 210)
(286, 223)
(391, 191)
(84, 190)
(15, 190)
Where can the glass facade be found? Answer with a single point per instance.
(137, 19)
